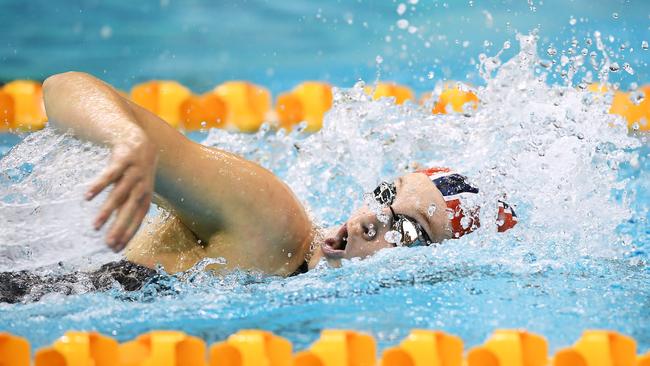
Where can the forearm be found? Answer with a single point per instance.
(90, 108)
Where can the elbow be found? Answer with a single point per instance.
(56, 81)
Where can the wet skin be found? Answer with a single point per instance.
(219, 205)
(363, 234)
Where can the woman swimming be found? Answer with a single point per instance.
(221, 205)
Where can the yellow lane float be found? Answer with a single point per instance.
(425, 347)
(7, 113)
(334, 348)
(163, 98)
(308, 102)
(247, 104)
(28, 109)
(599, 347)
(453, 99)
(401, 93)
(200, 112)
(252, 348)
(637, 116)
(510, 347)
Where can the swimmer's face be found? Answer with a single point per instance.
(364, 233)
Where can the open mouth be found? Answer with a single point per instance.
(334, 247)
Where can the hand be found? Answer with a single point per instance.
(131, 171)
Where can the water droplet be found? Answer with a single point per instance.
(615, 15)
(644, 45)
(372, 231)
(551, 51)
(106, 32)
(401, 9)
(637, 97)
(402, 24)
(465, 222)
(393, 237)
(614, 67)
(432, 209)
(450, 214)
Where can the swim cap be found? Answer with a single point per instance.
(463, 219)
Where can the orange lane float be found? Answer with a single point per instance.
(401, 93)
(599, 348)
(425, 347)
(7, 113)
(307, 102)
(252, 348)
(453, 98)
(28, 110)
(200, 112)
(247, 104)
(512, 348)
(163, 98)
(334, 348)
(637, 115)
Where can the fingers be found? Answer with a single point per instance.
(133, 228)
(110, 175)
(115, 199)
(130, 214)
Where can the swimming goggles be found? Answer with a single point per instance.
(412, 233)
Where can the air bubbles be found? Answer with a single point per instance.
(614, 67)
(402, 24)
(412, 29)
(430, 75)
(644, 45)
(506, 45)
(551, 51)
(432, 209)
(393, 237)
(615, 16)
(379, 60)
(572, 21)
(401, 9)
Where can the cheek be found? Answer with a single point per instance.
(367, 248)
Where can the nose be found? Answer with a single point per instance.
(364, 226)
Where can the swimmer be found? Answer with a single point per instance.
(222, 206)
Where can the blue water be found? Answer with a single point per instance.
(577, 260)
(202, 43)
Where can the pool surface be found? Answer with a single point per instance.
(578, 258)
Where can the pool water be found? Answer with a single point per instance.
(202, 43)
(577, 259)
